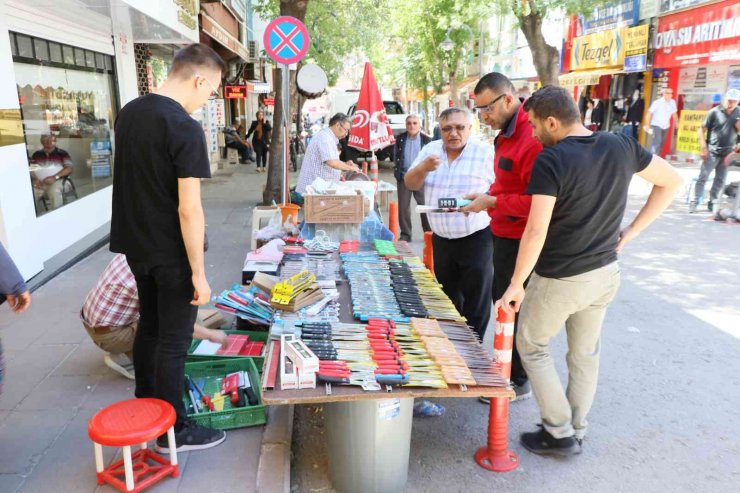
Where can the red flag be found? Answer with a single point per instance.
(370, 128)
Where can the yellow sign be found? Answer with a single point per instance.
(688, 131)
(636, 40)
(598, 50)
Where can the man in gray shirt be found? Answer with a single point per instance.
(717, 138)
(406, 149)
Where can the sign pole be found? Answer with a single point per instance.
(286, 132)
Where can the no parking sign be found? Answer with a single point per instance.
(286, 40)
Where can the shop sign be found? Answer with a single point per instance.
(269, 101)
(257, 87)
(235, 92)
(688, 131)
(708, 34)
(734, 77)
(217, 112)
(598, 50)
(648, 9)
(702, 80)
(211, 28)
(673, 5)
(635, 48)
(612, 15)
(186, 13)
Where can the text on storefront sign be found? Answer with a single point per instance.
(603, 49)
(710, 31)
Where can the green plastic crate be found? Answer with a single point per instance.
(255, 336)
(231, 417)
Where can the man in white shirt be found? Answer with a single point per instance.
(322, 154)
(463, 245)
(51, 165)
(662, 111)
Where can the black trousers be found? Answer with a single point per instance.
(505, 251)
(260, 149)
(244, 152)
(404, 209)
(165, 332)
(463, 267)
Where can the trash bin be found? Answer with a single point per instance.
(368, 443)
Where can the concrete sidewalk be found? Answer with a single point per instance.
(56, 379)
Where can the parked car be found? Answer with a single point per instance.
(397, 120)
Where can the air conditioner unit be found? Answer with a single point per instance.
(253, 50)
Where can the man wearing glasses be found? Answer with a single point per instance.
(507, 202)
(158, 223)
(407, 147)
(662, 112)
(322, 154)
(463, 248)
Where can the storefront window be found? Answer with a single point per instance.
(67, 114)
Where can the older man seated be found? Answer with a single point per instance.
(50, 165)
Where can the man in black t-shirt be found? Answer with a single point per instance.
(717, 138)
(158, 223)
(579, 188)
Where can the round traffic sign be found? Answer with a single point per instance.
(286, 40)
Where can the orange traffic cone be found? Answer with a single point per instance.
(428, 253)
(496, 456)
(393, 219)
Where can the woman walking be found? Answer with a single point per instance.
(261, 139)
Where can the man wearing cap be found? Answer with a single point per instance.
(717, 138)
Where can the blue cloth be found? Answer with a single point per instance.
(372, 228)
(411, 150)
(11, 281)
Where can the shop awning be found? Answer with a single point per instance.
(222, 36)
(586, 78)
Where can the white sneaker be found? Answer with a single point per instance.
(120, 363)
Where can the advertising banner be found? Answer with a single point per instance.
(599, 50)
(688, 131)
(635, 48)
(702, 80)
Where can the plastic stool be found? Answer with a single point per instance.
(232, 155)
(134, 422)
(258, 214)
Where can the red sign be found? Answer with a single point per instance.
(709, 34)
(235, 92)
(370, 129)
(269, 101)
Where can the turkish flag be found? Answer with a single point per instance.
(370, 128)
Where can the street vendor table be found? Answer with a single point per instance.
(369, 433)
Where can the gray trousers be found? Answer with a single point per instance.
(579, 302)
(716, 164)
(658, 139)
(404, 209)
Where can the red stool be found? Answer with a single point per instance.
(134, 422)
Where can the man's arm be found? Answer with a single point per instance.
(193, 227)
(217, 336)
(702, 133)
(530, 248)
(414, 177)
(12, 285)
(666, 182)
(342, 166)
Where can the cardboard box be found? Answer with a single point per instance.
(337, 209)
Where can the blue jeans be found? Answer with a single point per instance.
(658, 139)
(711, 163)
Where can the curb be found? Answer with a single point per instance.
(273, 471)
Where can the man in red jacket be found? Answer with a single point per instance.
(507, 201)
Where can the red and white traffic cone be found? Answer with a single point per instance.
(374, 169)
(496, 456)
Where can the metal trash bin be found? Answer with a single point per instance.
(368, 444)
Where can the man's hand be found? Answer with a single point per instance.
(219, 337)
(625, 236)
(19, 303)
(351, 166)
(704, 152)
(202, 294)
(480, 202)
(514, 294)
(431, 163)
(49, 180)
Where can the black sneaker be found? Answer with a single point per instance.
(192, 437)
(710, 206)
(542, 443)
(523, 391)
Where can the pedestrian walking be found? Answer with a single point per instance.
(407, 147)
(579, 189)
(507, 202)
(13, 289)
(158, 223)
(717, 138)
(261, 131)
(462, 243)
(662, 113)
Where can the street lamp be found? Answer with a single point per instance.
(447, 44)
